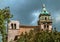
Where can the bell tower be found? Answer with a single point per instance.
(13, 30)
(45, 20)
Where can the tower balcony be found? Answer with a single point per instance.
(46, 20)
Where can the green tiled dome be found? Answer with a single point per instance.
(44, 11)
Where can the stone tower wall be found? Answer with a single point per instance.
(12, 32)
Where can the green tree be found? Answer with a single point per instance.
(42, 36)
(4, 17)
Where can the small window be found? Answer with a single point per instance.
(44, 26)
(47, 26)
(45, 18)
(12, 26)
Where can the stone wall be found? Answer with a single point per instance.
(15, 32)
(12, 34)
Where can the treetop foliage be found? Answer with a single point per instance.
(44, 36)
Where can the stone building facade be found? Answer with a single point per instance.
(44, 23)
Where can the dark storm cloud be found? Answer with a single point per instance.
(23, 9)
(24, 12)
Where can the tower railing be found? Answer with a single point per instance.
(50, 20)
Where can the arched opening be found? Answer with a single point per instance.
(44, 26)
(45, 18)
(12, 25)
(47, 26)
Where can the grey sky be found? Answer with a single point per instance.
(27, 11)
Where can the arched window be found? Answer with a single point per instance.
(12, 25)
(45, 18)
(47, 26)
(44, 26)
